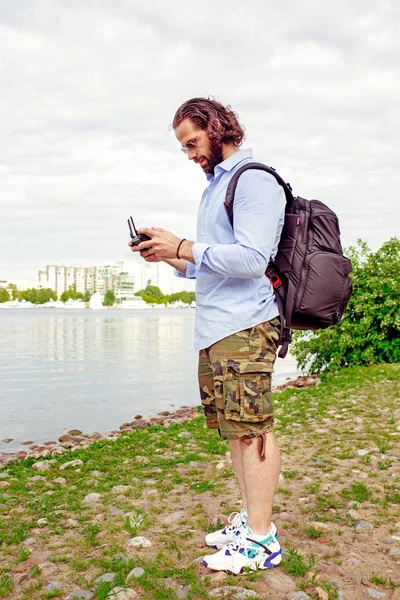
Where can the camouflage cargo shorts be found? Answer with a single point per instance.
(235, 381)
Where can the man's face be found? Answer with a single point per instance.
(200, 147)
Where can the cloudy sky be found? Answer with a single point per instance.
(89, 89)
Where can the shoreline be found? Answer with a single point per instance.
(75, 438)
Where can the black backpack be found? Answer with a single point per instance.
(309, 274)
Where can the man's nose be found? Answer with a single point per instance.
(191, 153)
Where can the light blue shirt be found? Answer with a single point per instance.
(232, 291)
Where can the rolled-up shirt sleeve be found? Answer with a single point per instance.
(190, 271)
(258, 217)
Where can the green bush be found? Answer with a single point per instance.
(4, 295)
(109, 298)
(370, 330)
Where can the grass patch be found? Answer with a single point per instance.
(295, 564)
(358, 492)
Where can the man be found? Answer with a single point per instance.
(237, 323)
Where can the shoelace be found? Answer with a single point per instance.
(235, 521)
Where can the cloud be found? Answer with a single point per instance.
(89, 91)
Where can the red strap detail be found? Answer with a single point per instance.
(274, 279)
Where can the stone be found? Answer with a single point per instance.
(92, 498)
(394, 552)
(119, 593)
(353, 514)
(4, 475)
(363, 452)
(71, 463)
(316, 463)
(106, 578)
(54, 585)
(42, 522)
(363, 526)
(81, 594)
(136, 573)
(7, 440)
(332, 570)
(173, 517)
(297, 596)
(386, 540)
(4, 484)
(218, 577)
(60, 481)
(75, 432)
(234, 592)
(139, 542)
(278, 581)
(322, 594)
(41, 465)
(324, 527)
(371, 593)
(120, 489)
(184, 434)
(115, 512)
(72, 523)
(135, 519)
(182, 592)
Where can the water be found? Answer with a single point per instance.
(94, 370)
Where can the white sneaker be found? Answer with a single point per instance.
(245, 552)
(237, 525)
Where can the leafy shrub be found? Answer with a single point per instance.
(370, 330)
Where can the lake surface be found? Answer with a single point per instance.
(93, 370)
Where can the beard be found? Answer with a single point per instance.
(215, 156)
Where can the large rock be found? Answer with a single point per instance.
(277, 581)
(139, 542)
(121, 489)
(41, 465)
(81, 594)
(371, 593)
(120, 593)
(234, 592)
(135, 573)
(363, 526)
(106, 578)
(92, 498)
(71, 463)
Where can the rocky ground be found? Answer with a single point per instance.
(125, 518)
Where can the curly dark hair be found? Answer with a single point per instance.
(219, 121)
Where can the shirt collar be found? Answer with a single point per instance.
(231, 162)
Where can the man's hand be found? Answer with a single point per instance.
(163, 247)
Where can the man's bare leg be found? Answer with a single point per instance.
(237, 460)
(260, 481)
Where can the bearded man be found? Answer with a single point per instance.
(237, 324)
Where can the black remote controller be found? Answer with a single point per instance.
(136, 237)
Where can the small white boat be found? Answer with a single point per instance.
(135, 303)
(96, 302)
(74, 304)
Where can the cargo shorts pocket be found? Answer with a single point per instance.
(247, 392)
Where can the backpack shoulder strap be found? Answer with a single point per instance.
(230, 192)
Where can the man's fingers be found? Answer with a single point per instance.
(158, 229)
(147, 230)
(145, 245)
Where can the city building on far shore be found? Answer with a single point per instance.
(125, 278)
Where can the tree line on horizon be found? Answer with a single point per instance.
(151, 294)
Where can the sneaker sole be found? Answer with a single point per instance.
(220, 546)
(255, 566)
